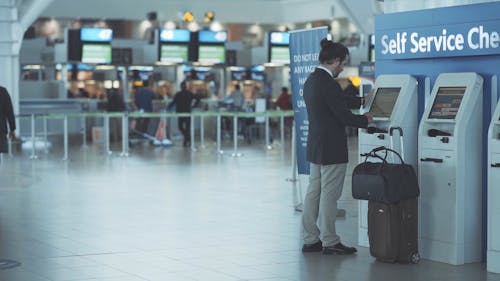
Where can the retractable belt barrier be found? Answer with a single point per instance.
(125, 125)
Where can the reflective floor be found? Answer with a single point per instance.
(174, 214)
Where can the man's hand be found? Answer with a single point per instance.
(12, 135)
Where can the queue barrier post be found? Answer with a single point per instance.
(65, 125)
(124, 135)
(202, 131)
(33, 148)
(268, 145)
(84, 131)
(106, 136)
(219, 117)
(282, 130)
(235, 136)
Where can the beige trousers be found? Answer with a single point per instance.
(320, 204)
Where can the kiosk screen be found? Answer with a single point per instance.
(384, 101)
(447, 103)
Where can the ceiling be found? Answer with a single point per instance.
(226, 11)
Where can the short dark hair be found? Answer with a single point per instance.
(330, 51)
(183, 85)
(284, 89)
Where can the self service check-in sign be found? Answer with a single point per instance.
(454, 40)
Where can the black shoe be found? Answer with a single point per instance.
(316, 247)
(339, 249)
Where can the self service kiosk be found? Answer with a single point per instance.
(449, 166)
(393, 105)
(493, 256)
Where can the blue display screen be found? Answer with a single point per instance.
(96, 34)
(207, 36)
(175, 35)
(279, 38)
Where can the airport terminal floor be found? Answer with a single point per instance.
(174, 214)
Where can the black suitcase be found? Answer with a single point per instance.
(393, 231)
(393, 227)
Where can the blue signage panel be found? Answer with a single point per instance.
(175, 35)
(207, 36)
(304, 53)
(96, 34)
(450, 40)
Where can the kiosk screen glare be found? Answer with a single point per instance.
(447, 103)
(384, 101)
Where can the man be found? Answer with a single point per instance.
(327, 152)
(183, 104)
(6, 117)
(115, 103)
(237, 97)
(143, 101)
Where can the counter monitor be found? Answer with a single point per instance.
(212, 54)
(173, 53)
(384, 101)
(447, 103)
(279, 54)
(96, 53)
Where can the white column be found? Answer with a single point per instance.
(9, 51)
(15, 18)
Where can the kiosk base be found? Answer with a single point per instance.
(448, 252)
(493, 258)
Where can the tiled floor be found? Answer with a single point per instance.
(173, 214)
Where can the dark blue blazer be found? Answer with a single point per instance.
(328, 115)
(6, 113)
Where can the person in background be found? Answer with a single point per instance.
(115, 103)
(327, 152)
(75, 92)
(257, 93)
(237, 97)
(6, 118)
(163, 91)
(284, 102)
(143, 101)
(183, 101)
(213, 85)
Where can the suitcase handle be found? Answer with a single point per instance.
(400, 131)
(373, 153)
(396, 128)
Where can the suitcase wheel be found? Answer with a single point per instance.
(415, 258)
